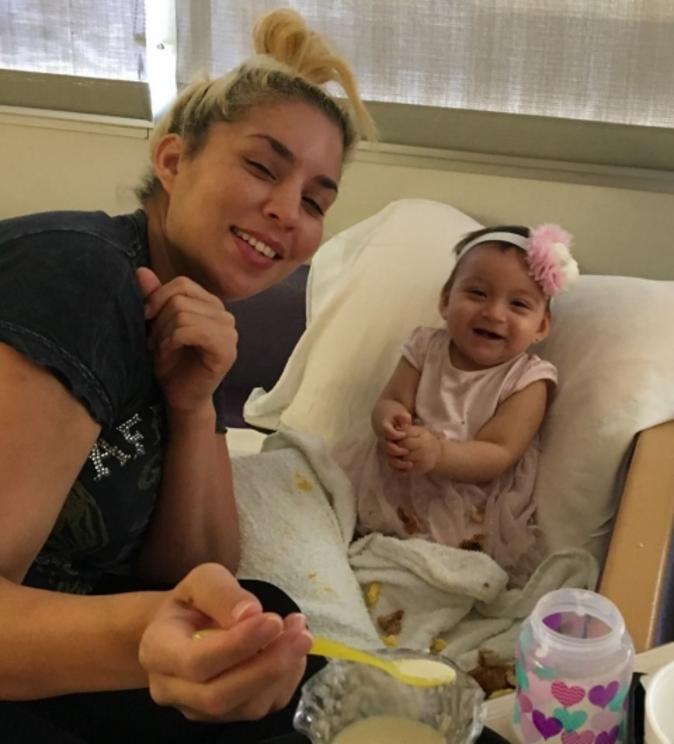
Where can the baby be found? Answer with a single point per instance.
(456, 448)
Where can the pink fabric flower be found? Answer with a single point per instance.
(549, 257)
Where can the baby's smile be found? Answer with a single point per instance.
(486, 333)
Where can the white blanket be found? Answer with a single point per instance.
(297, 518)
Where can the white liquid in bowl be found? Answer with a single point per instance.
(387, 729)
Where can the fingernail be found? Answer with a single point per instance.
(296, 622)
(245, 608)
(269, 628)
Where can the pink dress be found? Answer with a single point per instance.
(496, 517)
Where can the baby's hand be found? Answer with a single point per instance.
(395, 426)
(423, 450)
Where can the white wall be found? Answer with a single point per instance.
(622, 219)
(621, 228)
(53, 163)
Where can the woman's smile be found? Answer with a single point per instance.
(260, 249)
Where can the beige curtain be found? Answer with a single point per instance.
(89, 38)
(600, 60)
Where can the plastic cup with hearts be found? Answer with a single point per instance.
(574, 668)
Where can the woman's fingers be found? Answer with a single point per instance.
(208, 597)
(189, 323)
(249, 690)
(240, 664)
(214, 348)
(184, 314)
(215, 591)
(147, 280)
(192, 337)
(157, 295)
(180, 309)
(202, 657)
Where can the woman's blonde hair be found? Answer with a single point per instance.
(291, 63)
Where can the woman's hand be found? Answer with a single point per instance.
(192, 337)
(247, 665)
(423, 449)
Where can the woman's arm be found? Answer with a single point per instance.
(48, 641)
(195, 520)
(53, 643)
(500, 443)
(193, 340)
(393, 410)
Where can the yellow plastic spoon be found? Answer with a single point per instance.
(419, 672)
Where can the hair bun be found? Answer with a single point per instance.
(283, 35)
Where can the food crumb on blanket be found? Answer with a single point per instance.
(372, 594)
(493, 675)
(438, 645)
(303, 483)
(392, 623)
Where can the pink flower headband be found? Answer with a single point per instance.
(547, 252)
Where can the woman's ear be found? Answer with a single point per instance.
(443, 304)
(166, 159)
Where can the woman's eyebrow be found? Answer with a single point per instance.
(280, 149)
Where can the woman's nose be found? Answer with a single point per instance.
(283, 205)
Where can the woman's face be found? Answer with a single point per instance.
(248, 208)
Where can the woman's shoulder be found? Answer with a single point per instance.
(71, 304)
(116, 238)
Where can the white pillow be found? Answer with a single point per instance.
(612, 342)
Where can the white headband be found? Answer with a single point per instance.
(547, 251)
(503, 237)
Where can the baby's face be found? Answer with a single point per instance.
(494, 310)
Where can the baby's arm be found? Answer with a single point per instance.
(392, 412)
(500, 443)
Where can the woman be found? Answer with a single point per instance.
(113, 338)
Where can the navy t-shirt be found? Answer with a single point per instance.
(69, 301)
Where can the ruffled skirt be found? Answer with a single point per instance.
(497, 517)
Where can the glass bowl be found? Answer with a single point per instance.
(344, 692)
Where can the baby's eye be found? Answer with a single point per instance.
(521, 304)
(476, 292)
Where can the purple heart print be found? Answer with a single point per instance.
(608, 737)
(601, 696)
(548, 727)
